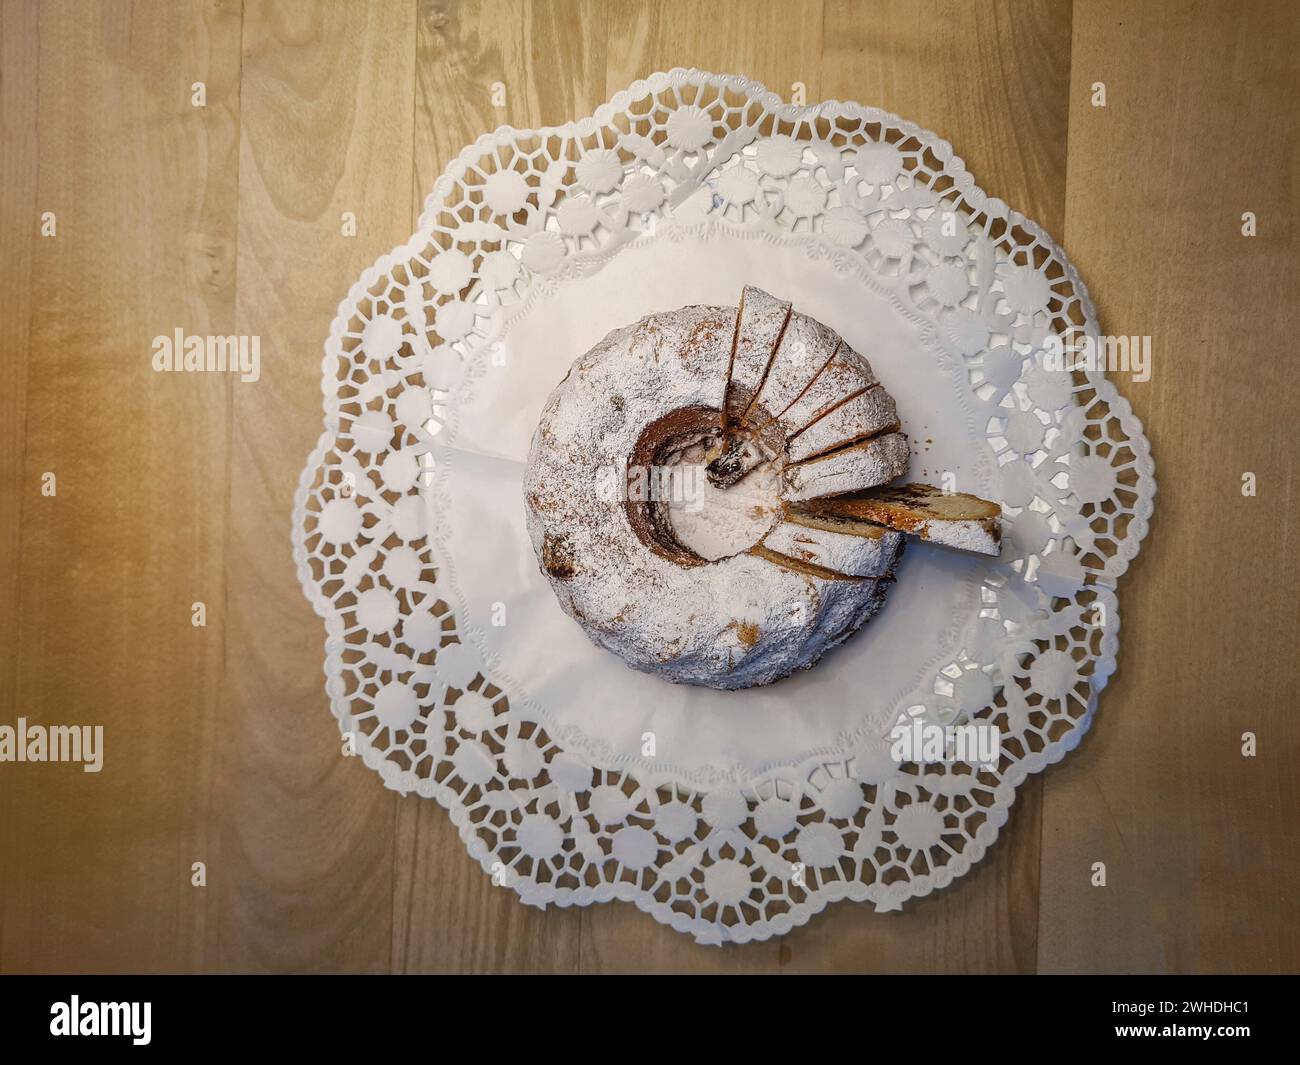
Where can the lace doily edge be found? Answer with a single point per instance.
(884, 897)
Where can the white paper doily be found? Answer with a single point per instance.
(460, 679)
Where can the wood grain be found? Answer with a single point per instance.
(777, 45)
(96, 867)
(944, 66)
(445, 907)
(174, 489)
(307, 839)
(1201, 846)
(19, 218)
(991, 78)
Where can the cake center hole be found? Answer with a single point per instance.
(712, 521)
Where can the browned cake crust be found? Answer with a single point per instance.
(956, 519)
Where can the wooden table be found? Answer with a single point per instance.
(175, 490)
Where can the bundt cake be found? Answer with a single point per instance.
(677, 492)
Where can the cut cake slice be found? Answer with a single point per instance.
(866, 414)
(864, 464)
(845, 545)
(806, 347)
(953, 519)
(799, 565)
(847, 374)
(761, 321)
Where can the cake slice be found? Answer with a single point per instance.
(954, 519)
(806, 347)
(865, 464)
(801, 566)
(846, 375)
(863, 415)
(845, 545)
(761, 321)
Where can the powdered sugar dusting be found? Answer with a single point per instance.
(762, 319)
(805, 348)
(859, 556)
(877, 461)
(974, 536)
(715, 522)
(845, 375)
(675, 583)
(730, 623)
(866, 413)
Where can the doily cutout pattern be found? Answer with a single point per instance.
(723, 864)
